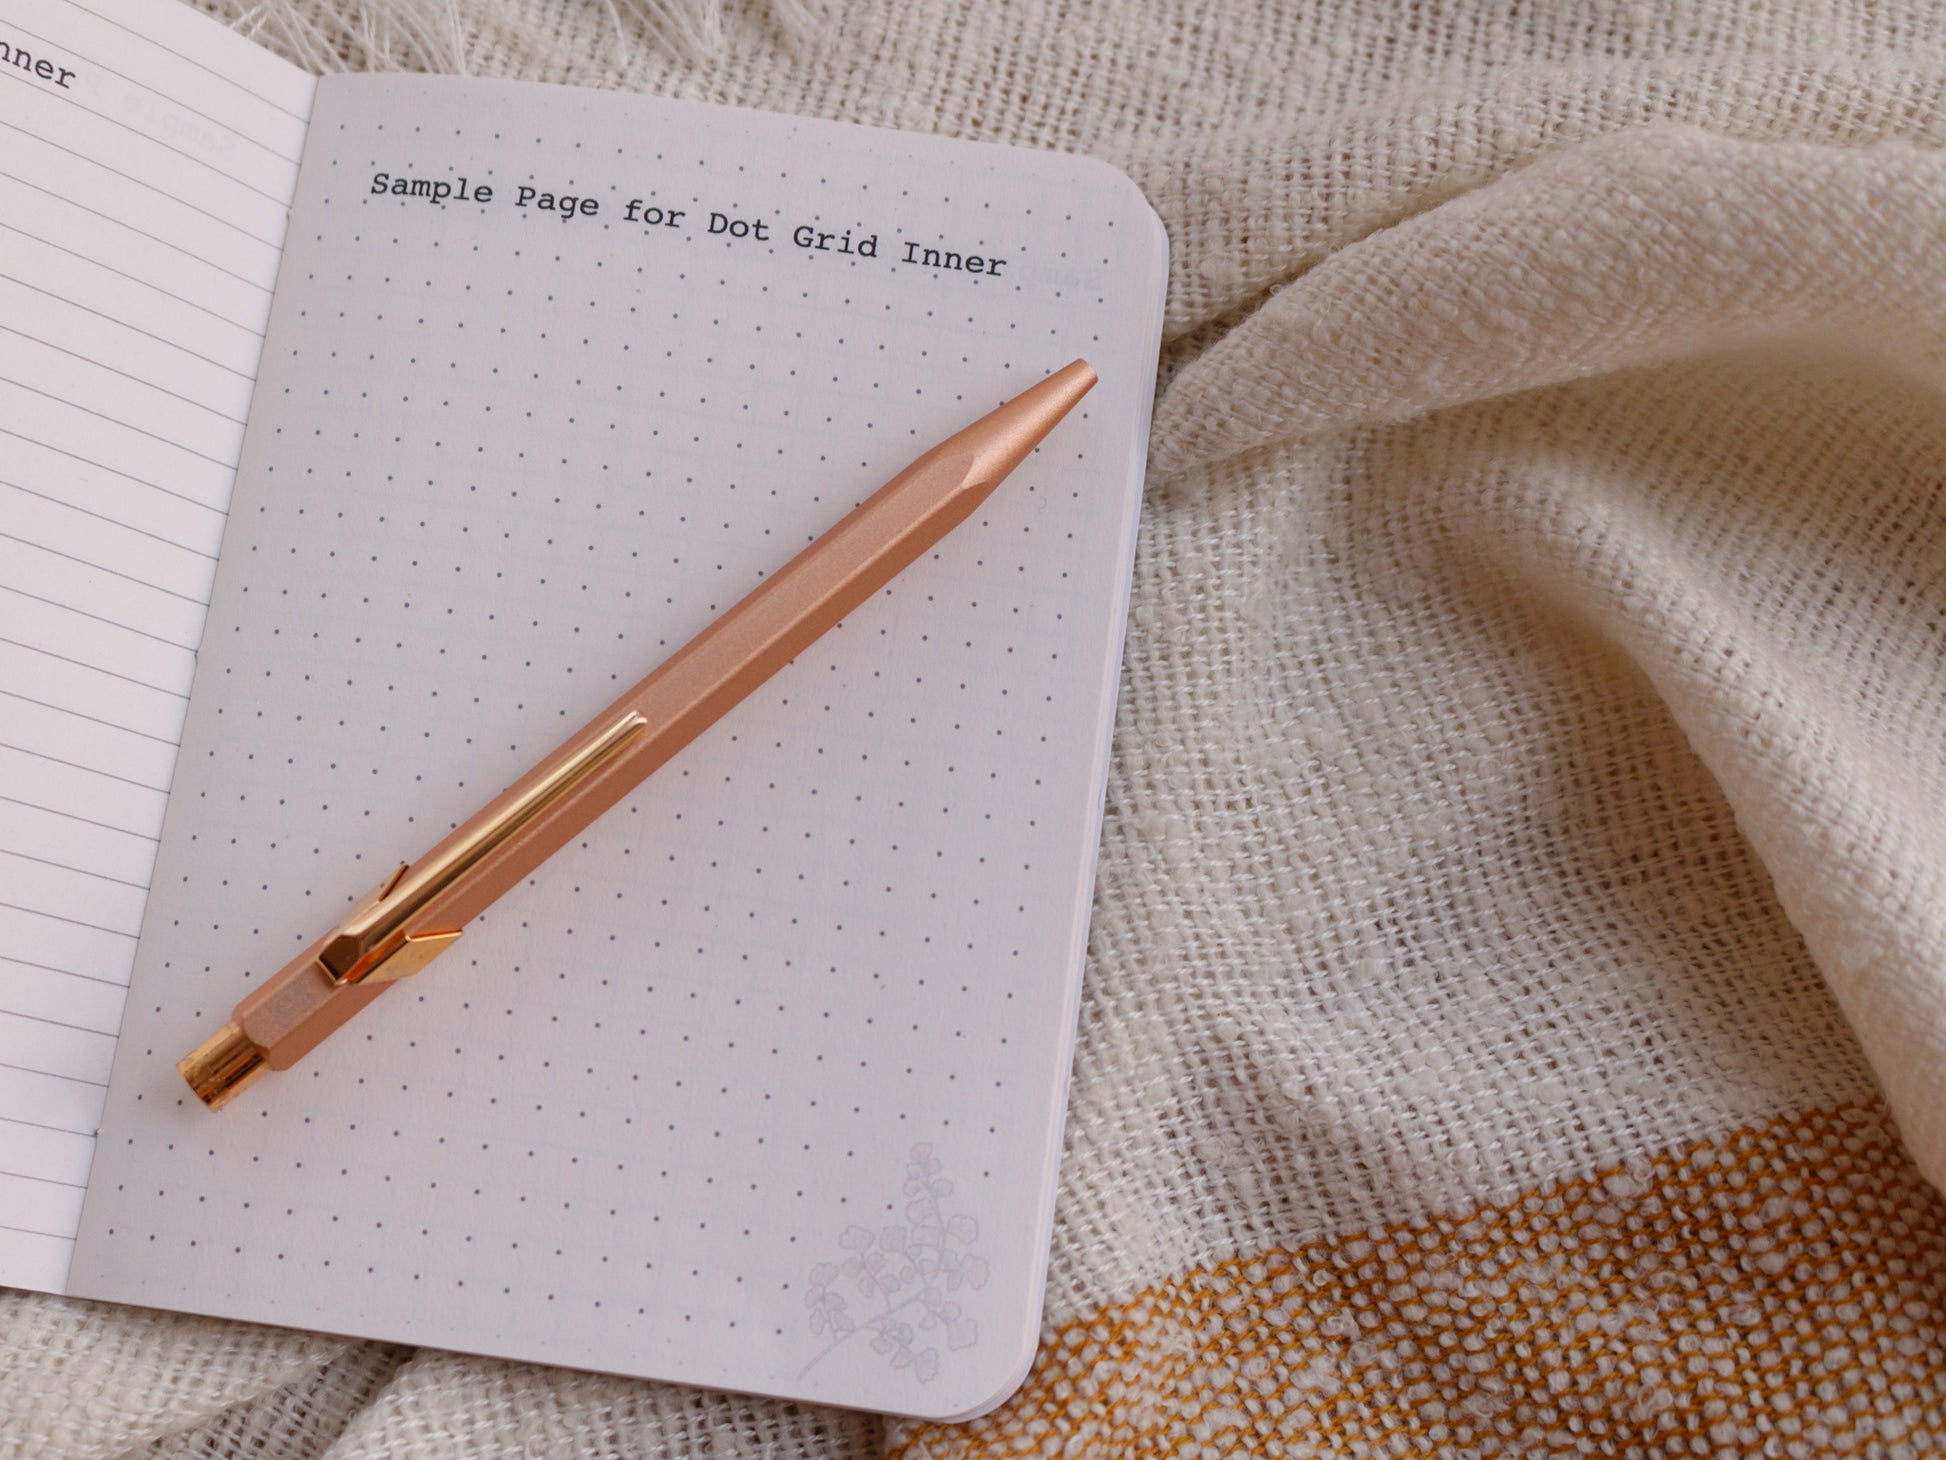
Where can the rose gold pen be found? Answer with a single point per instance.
(416, 913)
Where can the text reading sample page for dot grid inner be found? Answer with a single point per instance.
(759, 1083)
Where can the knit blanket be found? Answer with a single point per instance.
(1515, 1018)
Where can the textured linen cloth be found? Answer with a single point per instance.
(1517, 998)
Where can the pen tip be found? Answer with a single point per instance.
(1064, 387)
(1076, 379)
(1002, 440)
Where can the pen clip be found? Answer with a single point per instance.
(373, 944)
(360, 952)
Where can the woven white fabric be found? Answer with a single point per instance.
(1529, 773)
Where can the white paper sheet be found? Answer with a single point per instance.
(759, 1085)
(147, 162)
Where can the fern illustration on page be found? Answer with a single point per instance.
(924, 1261)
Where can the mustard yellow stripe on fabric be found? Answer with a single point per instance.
(1781, 1290)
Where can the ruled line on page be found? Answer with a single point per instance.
(64, 972)
(47, 1152)
(94, 59)
(72, 1052)
(113, 676)
(80, 561)
(51, 1075)
(88, 719)
(187, 254)
(74, 820)
(70, 683)
(129, 476)
(57, 1024)
(63, 504)
(85, 740)
(171, 123)
(77, 765)
(278, 99)
(81, 871)
(98, 618)
(110, 417)
(145, 201)
(67, 534)
(160, 192)
(247, 138)
(112, 319)
(160, 665)
(41, 1261)
(95, 668)
(130, 375)
(46, 994)
(35, 1232)
(92, 756)
(114, 802)
(92, 156)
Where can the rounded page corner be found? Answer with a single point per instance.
(1012, 1367)
(1138, 202)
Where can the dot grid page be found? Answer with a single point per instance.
(759, 1084)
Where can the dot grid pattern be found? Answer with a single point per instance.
(800, 1008)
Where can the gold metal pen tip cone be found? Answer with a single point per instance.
(1002, 439)
(222, 1066)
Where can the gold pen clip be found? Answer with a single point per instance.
(372, 945)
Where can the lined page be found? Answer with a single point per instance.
(147, 162)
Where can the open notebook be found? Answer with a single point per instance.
(759, 1085)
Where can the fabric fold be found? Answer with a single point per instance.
(1819, 271)
(95, 1380)
(1649, 245)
